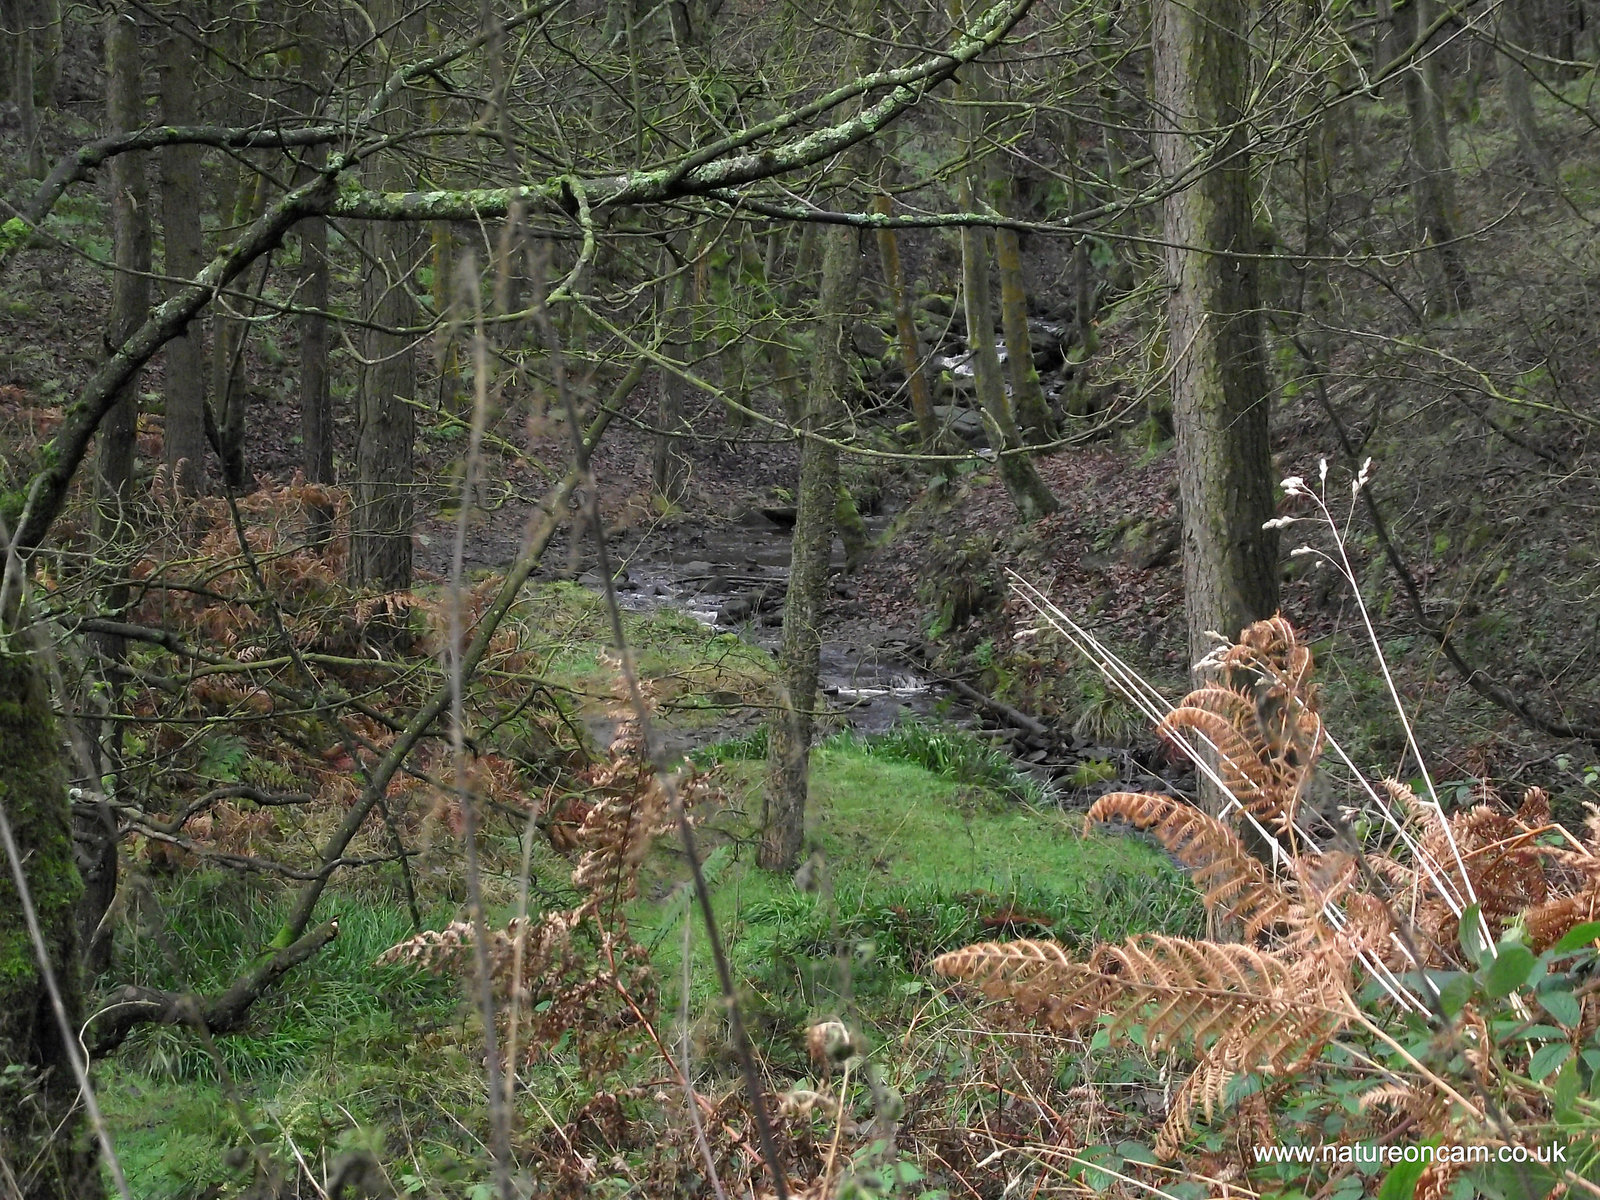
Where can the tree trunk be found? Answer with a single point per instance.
(44, 1138)
(1023, 484)
(1433, 190)
(130, 285)
(1027, 394)
(1515, 74)
(669, 468)
(46, 53)
(789, 744)
(185, 434)
(380, 526)
(1220, 393)
(240, 200)
(768, 332)
(23, 29)
(905, 327)
(316, 398)
(230, 338)
(380, 543)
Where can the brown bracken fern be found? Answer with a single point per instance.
(1311, 925)
(579, 970)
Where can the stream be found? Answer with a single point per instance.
(732, 577)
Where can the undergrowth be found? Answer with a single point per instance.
(946, 751)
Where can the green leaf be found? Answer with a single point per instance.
(1519, 1181)
(1566, 1091)
(1547, 1058)
(1455, 992)
(1563, 1006)
(1534, 1033)
(1136, 1152)
(1509, 971)
(1577, 938)
(1472, 934)
(1401, 1181)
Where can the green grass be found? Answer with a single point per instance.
(339, 1001)
(343, 1049)
(697, 672)
(914, 864)
(949, 752)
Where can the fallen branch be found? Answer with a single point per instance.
(131, 1006)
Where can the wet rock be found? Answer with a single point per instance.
(621, 581)
(735, 610)
(781, 515)
(965, 423)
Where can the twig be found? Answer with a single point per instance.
(499, 1100)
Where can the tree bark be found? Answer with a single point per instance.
(185, 432)
(1433, 190)
(316, 398)
(799, 657)
(1027, 393)
(905, 327)
(669, 468)
(240, 201)
(230, 335)
(43, 1134)
(1220, 392)
(1027, 490)
(130, 284)
(380, 526)
(23, 27)
(1517, 92)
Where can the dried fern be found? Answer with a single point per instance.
(1233, 883)
(579, 969)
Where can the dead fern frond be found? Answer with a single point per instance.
(1233, 883)
(1037, 976)
(1238, 1009)
(581, 970)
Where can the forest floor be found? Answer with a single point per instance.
(932, 839)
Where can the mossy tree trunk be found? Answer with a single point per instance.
(1027, 393)
(185, 380)
(1033, 416)
(905, 327)
(1027, 490)
(799, 657)
(1220, 393)
(44, 1140)
(768, 334)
